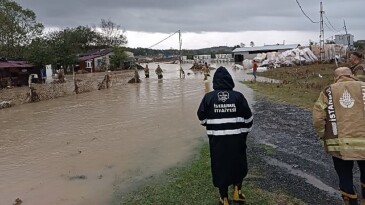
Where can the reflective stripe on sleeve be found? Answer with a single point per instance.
(346, 141)
(345, 148)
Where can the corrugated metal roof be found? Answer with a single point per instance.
(84, 58)
(100, 52)
(266, 48)
(15, 64)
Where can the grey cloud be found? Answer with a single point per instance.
(197, 16)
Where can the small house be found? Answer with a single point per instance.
(16, 72)
(95, 60)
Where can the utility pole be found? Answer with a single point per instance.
(180, 55)
(321, 35)
(348, 39)
(347, 36)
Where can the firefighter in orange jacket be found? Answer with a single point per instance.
(339, 118)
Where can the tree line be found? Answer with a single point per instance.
(185, 52)
(22, 37)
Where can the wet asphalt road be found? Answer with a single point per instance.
(283, 144)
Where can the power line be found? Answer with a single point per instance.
(164, 39)
(331, 37)
(335, 33)
(305, 13)
(330, 23)
(329, 28)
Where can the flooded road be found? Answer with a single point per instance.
(79, 149)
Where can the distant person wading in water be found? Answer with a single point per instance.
(206, 71)
(159, 72)
(147, 71)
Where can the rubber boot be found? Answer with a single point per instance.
(223, 201)
(238, 196)
(349, 199)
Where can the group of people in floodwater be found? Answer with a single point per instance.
(204, 69)
(158, 72)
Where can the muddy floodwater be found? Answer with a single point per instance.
(80, 149)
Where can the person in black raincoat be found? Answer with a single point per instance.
(228, 119)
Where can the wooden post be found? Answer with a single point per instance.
(30, 94)
(75, 82)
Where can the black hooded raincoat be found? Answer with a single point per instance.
(228, 119)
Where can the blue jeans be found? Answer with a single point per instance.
(254, 74)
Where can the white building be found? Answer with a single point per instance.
(223, 58)
(202, 58)
(345, 39)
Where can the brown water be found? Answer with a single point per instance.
(80, 149)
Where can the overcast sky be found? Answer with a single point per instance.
(206, 23)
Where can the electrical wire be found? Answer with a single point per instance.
(329, 28)
(164, 39)
(331, 23)
(334, 35)
(305, 13)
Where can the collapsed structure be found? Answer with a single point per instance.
(298, 56)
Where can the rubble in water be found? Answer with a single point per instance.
(6, 104)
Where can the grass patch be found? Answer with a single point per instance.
(300, 85)
(285, 93)
(267, 149)
(193, 185)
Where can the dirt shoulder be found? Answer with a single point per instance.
(285, 147)
(85, 82)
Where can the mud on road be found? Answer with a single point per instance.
(285, 148)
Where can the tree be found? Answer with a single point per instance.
(360, 45)
(40, 52)
(252, 44)
(119, 56)
(112, 34)
(85, 37)
(63, 46)
(18, 27)
(68, 43)
(242, 45)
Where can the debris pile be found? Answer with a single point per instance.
(331, 52)
(296, 56)
(6, 104)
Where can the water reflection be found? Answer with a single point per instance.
(207, 86)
